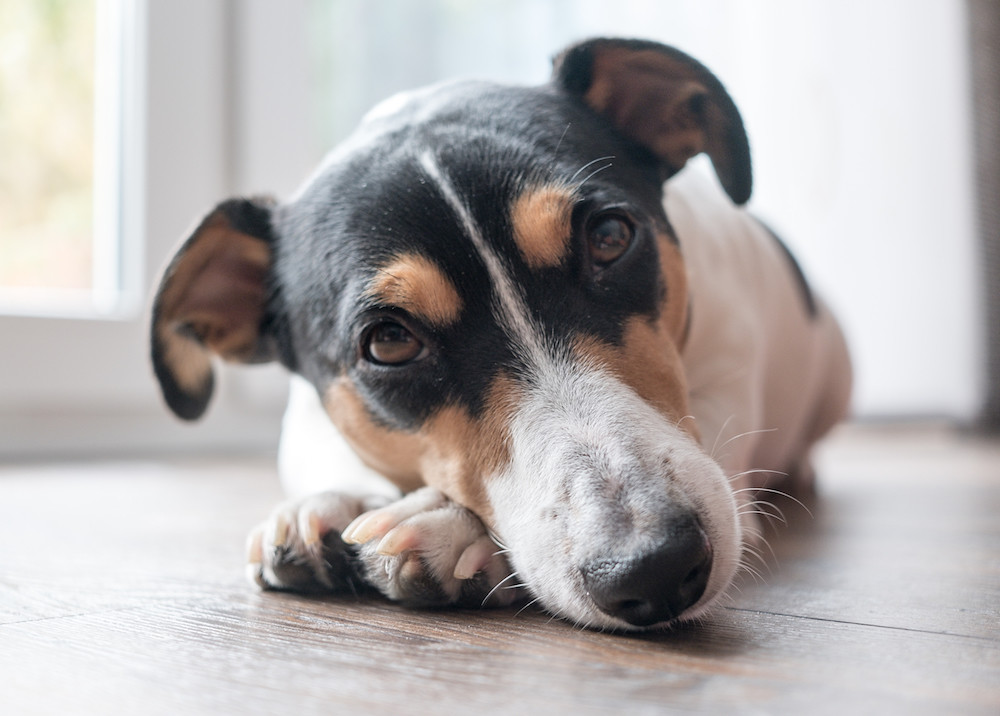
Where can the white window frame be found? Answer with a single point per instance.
(83, 384)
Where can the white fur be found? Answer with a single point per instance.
(314, 457)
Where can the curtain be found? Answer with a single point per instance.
(984, 20)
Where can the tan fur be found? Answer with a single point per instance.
(417, 285)
(662, 121)
(217, 290)
(649, 359)
(674, 315)
(452, 451)
(542, 221)
(391, 452)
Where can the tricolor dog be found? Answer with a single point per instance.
(528, 363)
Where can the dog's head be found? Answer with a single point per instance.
(483, 287)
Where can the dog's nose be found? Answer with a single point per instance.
(656, 585)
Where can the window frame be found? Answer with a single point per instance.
(83, 384)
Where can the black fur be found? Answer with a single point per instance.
(378, 204)
(805, 290)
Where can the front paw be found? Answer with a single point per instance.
(299, 547)
(425, 550)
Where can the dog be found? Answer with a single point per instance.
(529, 362)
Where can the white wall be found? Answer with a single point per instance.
(858, 115)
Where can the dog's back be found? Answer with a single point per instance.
(768, 368)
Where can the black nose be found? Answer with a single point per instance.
(655, 585)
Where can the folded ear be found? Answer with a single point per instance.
(213, 299)
(663, 99)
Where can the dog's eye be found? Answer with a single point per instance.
(608, 237)
(389, 343)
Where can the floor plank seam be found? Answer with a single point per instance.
(845, 622)
(77, 615)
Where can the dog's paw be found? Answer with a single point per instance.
(299, 547)
(425, 550)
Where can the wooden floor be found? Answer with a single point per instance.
(122, 591)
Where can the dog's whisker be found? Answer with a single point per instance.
(555, 154)
(686, 417)
(756, 471)
(755, 535)
(758, 538)
(767, 543)
(497, 586)
(586, 166)
(594, 174)
(714, 451)
(747, 434)
(727, 596)
(783, 494)
(752, 551)
(751, 509)
(498, 542)
(756, 575)
(755, 553)
(759, 557)
(526, 606)
(774, 513)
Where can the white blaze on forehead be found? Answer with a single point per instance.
(512, 311)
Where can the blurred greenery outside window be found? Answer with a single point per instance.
(47, 61)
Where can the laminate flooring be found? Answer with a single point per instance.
(122, 591)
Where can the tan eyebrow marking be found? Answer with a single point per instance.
(416, 284)
(542, 221)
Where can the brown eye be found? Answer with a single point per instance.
(608, 238)
(389, 343)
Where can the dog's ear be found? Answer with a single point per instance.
(213, 299)
(663, 99)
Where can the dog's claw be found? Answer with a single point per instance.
(379, 522)
(255, 558)
(398, 540)
(367, 527)
(279, 532)
(255, 548)
(475, 558)
(309, 528)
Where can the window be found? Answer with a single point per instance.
(75, 377)
(46, 138)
